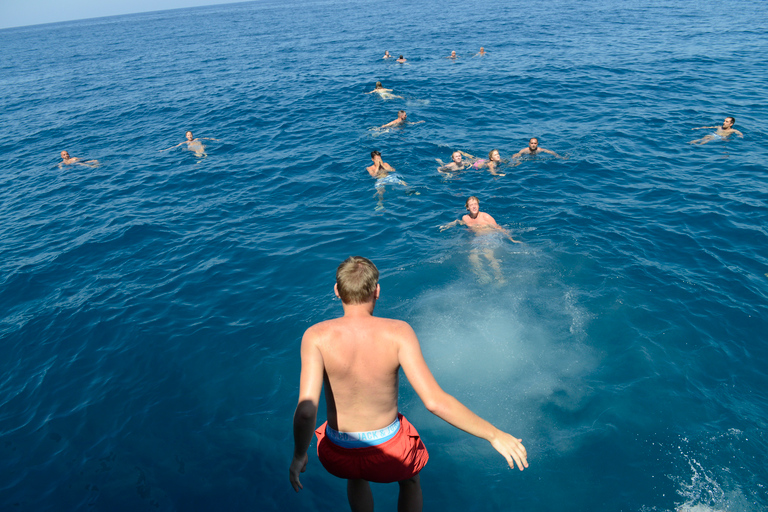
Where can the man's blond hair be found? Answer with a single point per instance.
(356, 280)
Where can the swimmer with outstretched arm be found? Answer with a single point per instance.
(383, 92)
(722, 132)
(457, 163)
(479, 222)
(193, 144)
(401, 117)
(69, 160)
(533, 149)
(357, 359)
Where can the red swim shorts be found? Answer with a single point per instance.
(399, 458)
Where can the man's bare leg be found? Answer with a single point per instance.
(359, 495)
(410, 499)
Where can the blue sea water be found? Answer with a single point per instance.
(152, 307)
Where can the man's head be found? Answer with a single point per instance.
(729, 122)
(375, 154)
(473, 206)
(65, 155)
(401, 114)
(356, 280)
(453, 53)
(482, 50)
(456, 157)
(533, 144)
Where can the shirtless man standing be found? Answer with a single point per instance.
(69, 160)
(533, 149)
(357, 358)
(722, 132)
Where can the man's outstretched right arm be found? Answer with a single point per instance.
(448, 408)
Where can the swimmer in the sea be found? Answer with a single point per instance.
(69, 160)
(722, 132)
(533, 149)
(401, 117)
(481, 53)
(486, 231)
(384, 93)
(494, 159)
(401, 59)
(457, 162)
(193, 144)
(381, 171)
(452, 55)
(387, 55)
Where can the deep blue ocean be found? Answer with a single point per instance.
(151, 308)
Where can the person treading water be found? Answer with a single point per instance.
(533, 149)
(193, 144)
(357, 359)
(381, 171)
(383, 92)
(722, 132)
(69, 160)
(487, 238)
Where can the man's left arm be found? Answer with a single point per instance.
(304, 418)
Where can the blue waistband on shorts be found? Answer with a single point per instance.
(363, 439)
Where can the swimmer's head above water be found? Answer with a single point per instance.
(729, 122)
(357, 279)
(493, 156)
(188, 135)
(456, 157)
(473, 206)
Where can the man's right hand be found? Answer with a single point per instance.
(298, 466)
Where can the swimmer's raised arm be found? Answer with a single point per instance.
(446, 407)
(705, 127)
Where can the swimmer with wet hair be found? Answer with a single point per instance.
(387, 55)
(383, 92)
(70, 160)
(193, 144)
(722, 132)
(452, 55)
(494, 159)
(457, 164)
(533, 149)
(401, 59)
(487, 239)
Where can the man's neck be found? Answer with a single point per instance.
(359, 310)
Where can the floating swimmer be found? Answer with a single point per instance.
(453, 55)
(401, 117)
(386, 94)
(69, 160)
(358, 358)
(487, 239)
(381, 171)
(494, 159)
(387, 55)
(533, 149)
(481, 53)
(401, 60)
(457, 164)
(722, 133)
(193, 144)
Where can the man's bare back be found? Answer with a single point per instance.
(360, 357)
